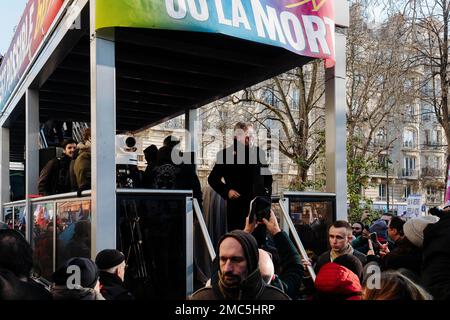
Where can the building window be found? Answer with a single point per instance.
(409, 166)
(409, 113)
(426, 161)
(438, 137)
(408, 138)
(427, 136)
(382, 191)
(295, 99)
(407, 192)
(380, 137)
(437, 162)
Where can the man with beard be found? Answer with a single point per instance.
(238, 276)
(244, 170)
(55, 176)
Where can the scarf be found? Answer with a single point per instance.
(334, 255)
(228, 292)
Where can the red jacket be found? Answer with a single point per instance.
(336, 282)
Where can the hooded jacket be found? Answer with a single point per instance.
(252, 288)
(336, 282)
(436, 258)
(82, 166)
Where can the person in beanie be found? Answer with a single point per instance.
(408, 253)
(111, 264)
(238, 276)
(76, 279)
(413, 229)
(336, 282)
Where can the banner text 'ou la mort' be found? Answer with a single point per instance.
(305, 27)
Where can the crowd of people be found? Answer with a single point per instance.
(387, 259)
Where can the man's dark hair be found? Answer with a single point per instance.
(171, 141)
(16, 254)
(342, 224)
(397, 224)
(151, 153)
(361, 224)
(66, 142)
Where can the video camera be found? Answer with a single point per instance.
(260, 208)
(126, 162)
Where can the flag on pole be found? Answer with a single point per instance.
(447, 191)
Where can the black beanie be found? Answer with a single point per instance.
(109, 258)
(249, 245)
(352, 263)
(88, 269)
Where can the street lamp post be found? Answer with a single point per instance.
(387, 183)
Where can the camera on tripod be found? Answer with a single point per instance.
(127, 172)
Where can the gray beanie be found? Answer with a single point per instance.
(413, 229)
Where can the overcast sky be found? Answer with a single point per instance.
(10, 14)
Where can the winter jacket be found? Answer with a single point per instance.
(63, 293)
(336, 282)
(253, 288)
(12, 288)
(55, 176)
(325, 258)
(405, 255)
(436, 258)
(82, 166)
(246, 178)
(112, 287)
(290, 278)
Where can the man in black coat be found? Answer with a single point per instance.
(111, 264)
(244, 170)
(55, 176)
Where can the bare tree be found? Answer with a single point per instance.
(294, 103)
(377, 72)
(429, 22)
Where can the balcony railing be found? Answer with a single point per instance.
(432, 172)
(408, 172)
(434, 145)
(382, 172)
(409, 144)
(434, 199)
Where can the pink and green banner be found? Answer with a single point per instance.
(30, 32)
(305, 27)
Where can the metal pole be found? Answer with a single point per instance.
(387, 184)
(204, 229)
(189, 247)
(4, 167)
(297, 240)
(103, 121)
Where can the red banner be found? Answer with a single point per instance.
(31, 31)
